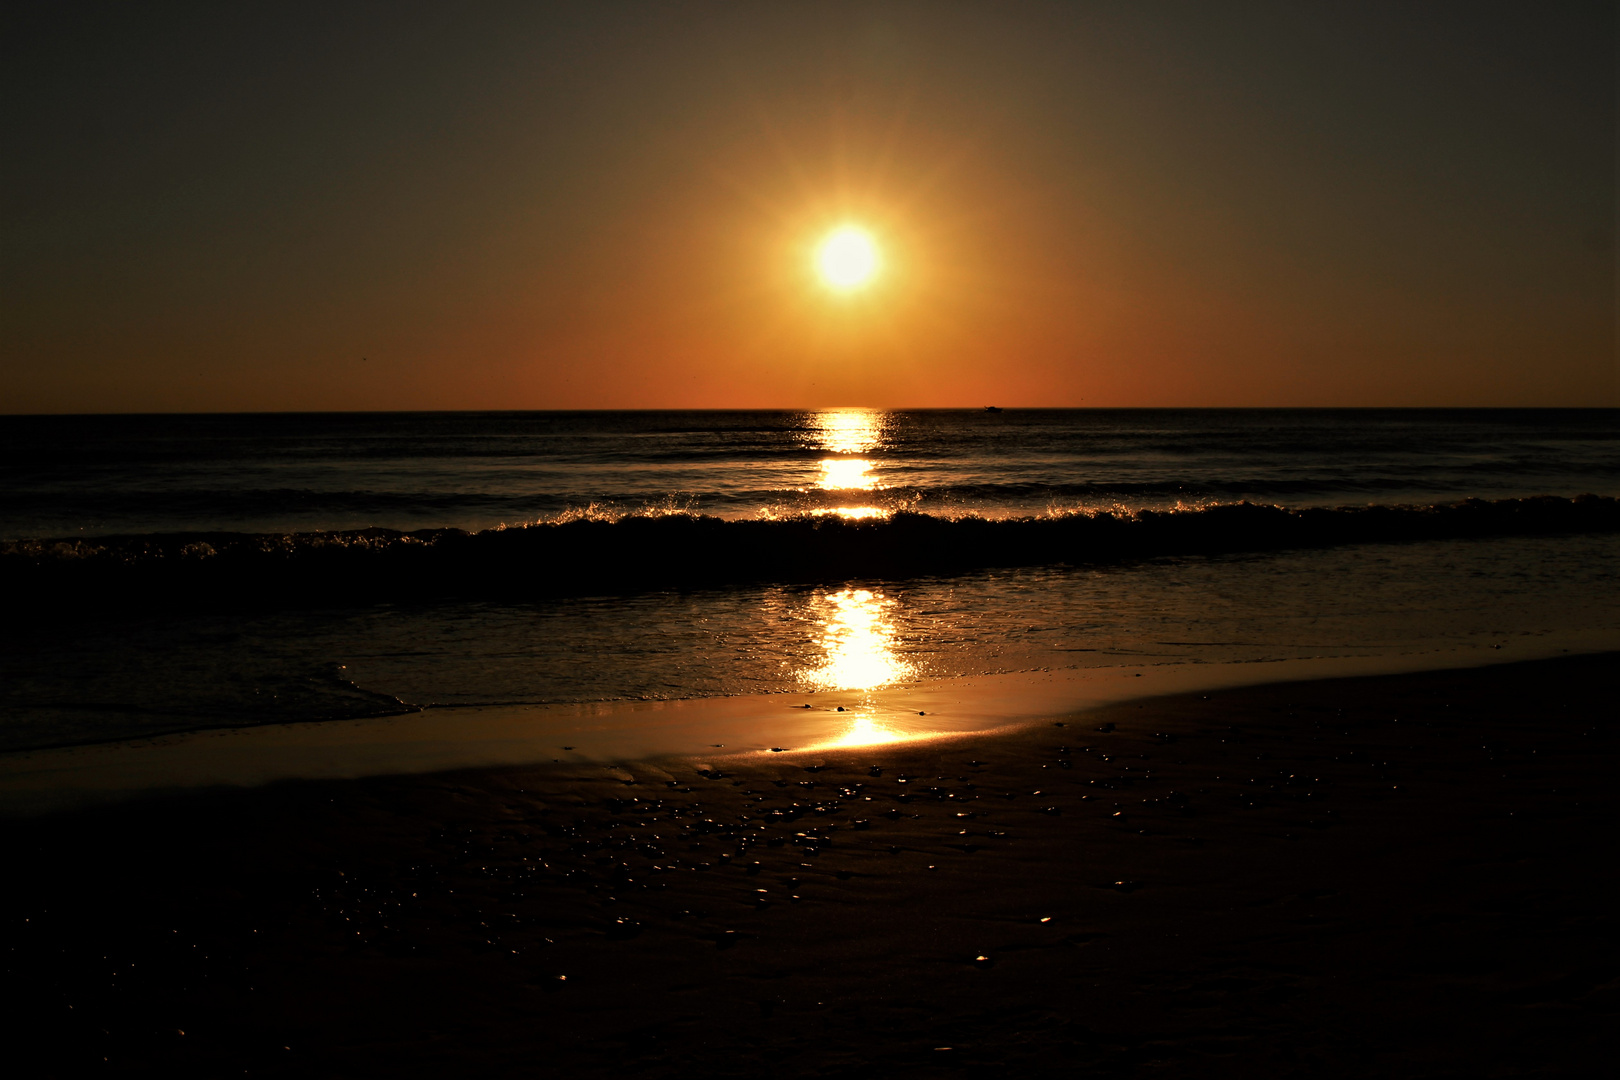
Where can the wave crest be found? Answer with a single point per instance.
(674, 548)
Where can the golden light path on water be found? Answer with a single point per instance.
(848, 432)
(857, 641)
(846, 474)
(857, 636)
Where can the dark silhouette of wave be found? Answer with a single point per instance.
(684, 550)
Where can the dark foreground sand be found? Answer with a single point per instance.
(1399, 876)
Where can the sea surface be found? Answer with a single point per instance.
(168, 573)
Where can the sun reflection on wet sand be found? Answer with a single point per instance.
(858, 639)
(866, 730)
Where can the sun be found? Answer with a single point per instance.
(848, 258)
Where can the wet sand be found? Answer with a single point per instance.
(444, 739)
(1407, 875)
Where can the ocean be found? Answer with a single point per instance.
(172, 573)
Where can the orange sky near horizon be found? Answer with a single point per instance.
(1076, 206)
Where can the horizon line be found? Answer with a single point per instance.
(817, 409)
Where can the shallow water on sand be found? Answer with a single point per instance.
(129, 675)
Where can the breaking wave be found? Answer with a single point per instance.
(586, 554)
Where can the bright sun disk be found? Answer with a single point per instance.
(847, 258)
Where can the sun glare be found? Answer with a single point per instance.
(848, 258)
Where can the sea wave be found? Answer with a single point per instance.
(674, 549)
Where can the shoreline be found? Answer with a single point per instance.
(1379, 875)
(49, 780)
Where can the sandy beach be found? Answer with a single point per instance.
(1405, 875)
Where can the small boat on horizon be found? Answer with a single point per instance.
(992, 408)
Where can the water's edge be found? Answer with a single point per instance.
(46, 781)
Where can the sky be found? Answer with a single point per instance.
(355, 206)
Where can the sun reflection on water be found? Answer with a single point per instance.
(853, 513)
(851, 434)
(846, 474)
(847, 431)
(858, 646)
(858, 642)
